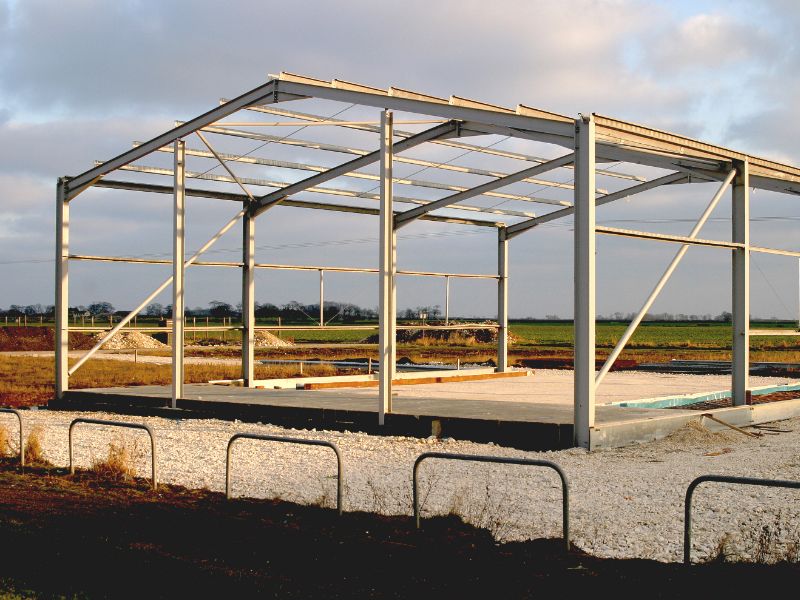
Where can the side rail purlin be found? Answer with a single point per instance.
(141, 426)
(687, 519)
(14, 411)
(286, 440)
(502, 461)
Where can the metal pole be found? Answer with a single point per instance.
(321, 297)
(502, 300)
(584, 286)
(62, 290)
(178, 256)
(387, 291)
(662, 282)
(248, 298)
(446, 299)
(740, 277)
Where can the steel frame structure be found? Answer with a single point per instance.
(589, 141)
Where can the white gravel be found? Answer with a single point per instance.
(625, 502)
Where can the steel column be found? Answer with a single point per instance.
(502, 300)
(321, 298)
(387, 313)
(62, 290)
(248, 298)
(447, 299)
(178, 270)
(740, 276)
(584, 286)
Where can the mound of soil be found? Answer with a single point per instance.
(455, 337)
(128, 340)
(38, 339)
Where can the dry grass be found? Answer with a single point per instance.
(28, 380)
(119, 464)
(34, 454)
(5, 443)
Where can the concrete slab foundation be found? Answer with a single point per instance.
(529, 413)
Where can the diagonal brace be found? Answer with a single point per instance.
(410, 215)
(662, 282)
(269, 200)
(225, 228)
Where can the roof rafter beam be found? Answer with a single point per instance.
(318, 190)
(672, 178)
(282, 164)
(663, 160)
(402, 159)
(217, 195)
(410, 215)
(268, 200)
(274, 110)
(264, 93)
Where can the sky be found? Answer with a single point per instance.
(81, 80)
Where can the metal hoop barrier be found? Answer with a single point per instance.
(687, 521)
(287, 440)
(141, 426)
(503, 461)
(14, 411)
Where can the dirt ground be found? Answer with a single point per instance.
(86, 537)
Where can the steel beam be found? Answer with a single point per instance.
(178, 270)
(387, 312)
(454, 144)
(446, 299)
(665, 237)
(502, 301)
(584, 286)
(517, 228)
(261, 94)
(415, 213)
(346, 192)
(62, 290)
(401, 159)
(631, 329)
(549, 130)
(322, 298)
(283, 164)
(200, 193)
(266, 201)
(740, 276)
(248, 297)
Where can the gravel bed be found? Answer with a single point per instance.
(625, 502)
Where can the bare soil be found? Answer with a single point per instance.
(84, 536)
(39, 338)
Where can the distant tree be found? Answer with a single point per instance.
(220, 309)
(266, 310)
(552, 317)
(101, 308)
(33, 310)
(724, 317)
(15, 310)
(154, 310)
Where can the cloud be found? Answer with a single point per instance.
(80, 80)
